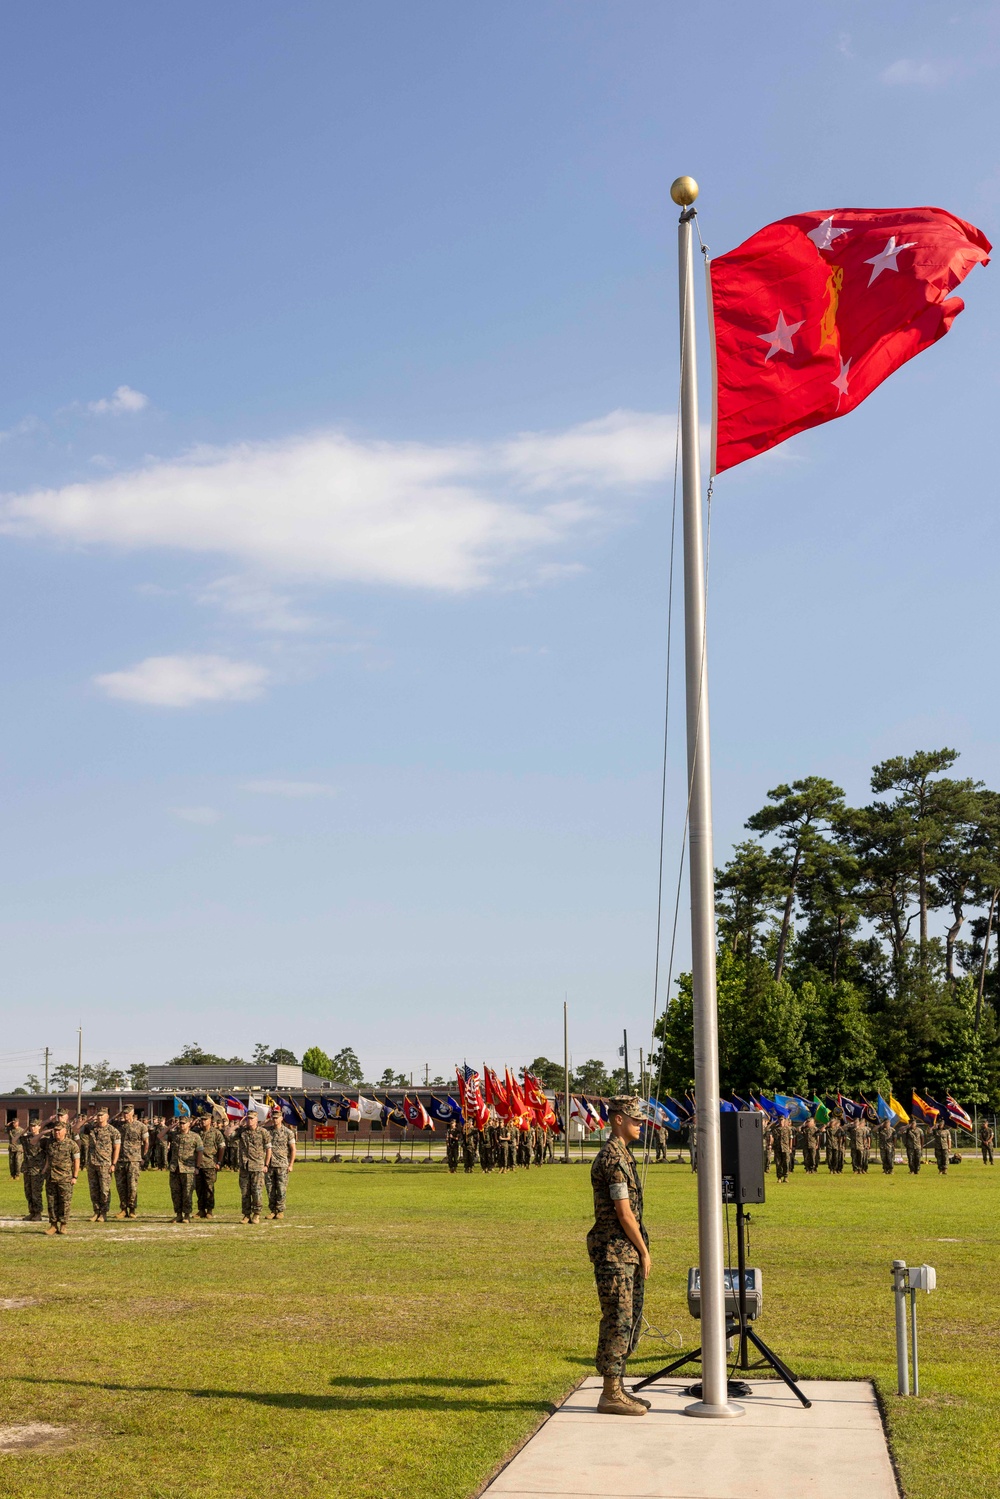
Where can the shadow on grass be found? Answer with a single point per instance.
(366, 1398)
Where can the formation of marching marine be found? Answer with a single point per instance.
(840, 1140)
(49, 1157)
(500, 1146)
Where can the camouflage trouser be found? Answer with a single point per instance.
(59, 1195)
(987, 1154)
(620, 1290)
(888, 1154)
(204, 1185)
(835, 1157)
(181, 1192)
(451, 1152)
(941, 1156)
(99, 1182)
(251, 1192)
(277, 1187)
(781, 1164)
(33, 1192)
(15, 1160)
(127, 1182)
(912, 1157)
(810, 1156)
(859, 1159)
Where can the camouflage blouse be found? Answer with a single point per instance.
(62, 1159)
(614, 1178)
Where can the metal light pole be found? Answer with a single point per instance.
(565, 1085)
(714, 1401)
(79, 1070)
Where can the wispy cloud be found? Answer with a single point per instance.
(290, 788)
(202, 816)
(124, 401)
(908, 73)
(332, 508)
(184, 681)
(256, 604)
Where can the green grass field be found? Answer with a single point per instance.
(403, 1328)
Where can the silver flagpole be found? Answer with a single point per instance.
(714, 1401)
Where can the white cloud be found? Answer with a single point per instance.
(184, 681)
(332, 508)
(256, 604)
(908, 73)
(202, 816)
(290, 788)
(124, 400)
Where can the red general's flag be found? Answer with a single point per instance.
(814, 311)
(496, 1098)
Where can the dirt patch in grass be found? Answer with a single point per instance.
(17, 1303)
(37, 1436)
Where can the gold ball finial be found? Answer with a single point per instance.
(684, 190)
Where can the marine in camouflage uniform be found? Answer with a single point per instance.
(836, 1136)
(887, 1146)
(941, 1140)
(15, 1149)
(659, 1144)
(913, 1140)
(470, 1145)
(523, 1147)
(781, 1130)
(100, 1147)
(453, 1146)
(33, 1170)
(232, 1157)
(860, 1139)
(537, 1144)
(213, 1150)
(620, 1266)
(767, 1135)
(62, 1166)
(283, 1145)
(135, 1147)
(986, 1143)
(809, 1137)
(487, 1147)
(184, 1156)
(255, 1157)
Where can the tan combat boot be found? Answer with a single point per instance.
(122, 1214)
(615, 1401)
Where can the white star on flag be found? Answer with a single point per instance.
(824, 234)
(780, 338)
(840, 384)
(886, 259)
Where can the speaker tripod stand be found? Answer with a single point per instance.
(738, 1325)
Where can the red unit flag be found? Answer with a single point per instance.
(813, 312)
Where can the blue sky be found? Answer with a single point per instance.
(337, 370)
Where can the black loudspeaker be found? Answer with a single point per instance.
(742, 1156)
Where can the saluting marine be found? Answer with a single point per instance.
(887, 1145)
(62, 1167)
(809, 1138)
(134, 1135)
(835, 1141)
(213, 1152)
(15, 1148)
(941, 1140)
(184, 1155)
(782, 1136)
(33, 1170)
(255, 1157)
(100, 1146)
(913, 1141)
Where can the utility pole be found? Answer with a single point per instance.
(565, 1084)
(642, 1076)
(628, 1086)
(79, 1069)
(47, 1055)
(427, 1074)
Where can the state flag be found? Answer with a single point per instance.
(820, 1112)
(416, 1115)
(368, 1108)
(314, 1109)
(957, 1114)
(898, 1110)
(923, 1110)
(813, 312)
(234, 1109)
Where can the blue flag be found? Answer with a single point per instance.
(725, 1107)
(660, 1115)
(775, 1110)
(290, 1113)
(678, 1108)
(315, 1109)
(602, 1109)
(885, 1111)
(445, 1109)
(851, 1109)
(181, 1110)
(795, 1107)
(332, 1107)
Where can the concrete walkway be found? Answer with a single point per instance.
(777, 1450)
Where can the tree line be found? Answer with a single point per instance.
(858, 946)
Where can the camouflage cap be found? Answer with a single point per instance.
(630, 1107)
